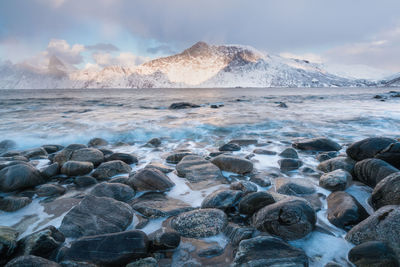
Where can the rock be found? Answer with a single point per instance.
(229, 147)
(289, 164)
(176, 157)
(115, 249)
(31, 261)
(289, 153)
(373, 253)
(235, 233)
(261, 151)
(183, 105)
(317, 144)
(260, 179)
(245, 186)
(211, 251)
(391, 154)
(154, 142)
(282, 105)
(117, 191)
(200, 223)
(84, 181)
(125, 157)
(51, 170)
(150, 180)
(337, 180)
(13, 203)
(120, 180)
(233, 164)
(41, 243)
(290, 219)
(111, 168)
(337, 163)
(35, 153)
(372, 171)
(322, 156)
(294, 186)
(222, 199)
(92, 155)
(64, 155)
(163, 239)
(8, 243)
(387, 191)
(252, 202)
(269, 251)
(75, 168)
(50, 190)
(159, 166)
(96, 142)
(50, 149)
(383, 225)
(7, 145)
(145, 262)
(155, 205)
(344, 211)
(244, 142)
(19, 176)
(368, 148)
(96, 215)
(106, 152)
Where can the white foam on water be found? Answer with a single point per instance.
(362, 193)
(153, 225)
(221, 239)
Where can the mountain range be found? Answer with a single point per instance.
(201, 65)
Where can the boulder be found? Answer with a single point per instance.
(229, 147)
(289, 164)
(109, 169)
(322, 156)
(391, 154)
(117, 191)
(159, 166)
(13, 203)
(19, 176)
(244, 142)
(84, 181)
(51, 170)
(337, 180)
(261, 151)
(344, 211)
(75, 168)
(235, 233)
(92, 155)
(96, 142)
(50, 149)
(163, 239)
(373, 253)
(176, 157)
(372, 171)
(223, 199)
(114, 249)
(290, 219)
(31, 261)
(50, 190)
(387, 191)
(289, 153)
(35, 153)
(233, 164)
(337, 163)
(294, 186)
(183, 105)
(145, 262)
(200, 223)
(154, 142)
(245, 186)
(368, 148)
(150, 180)
(269, 251)
(317, 144)
(125, 157)
(252, 202)
(65, 155)
(96, 215)
(8, 243)
(260, 179)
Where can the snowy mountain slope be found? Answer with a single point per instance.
(201, 65)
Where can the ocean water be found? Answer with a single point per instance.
(36, 117)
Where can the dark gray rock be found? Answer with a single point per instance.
(75, 168)
(368, 148)
(289, 164)
(252, 202)
(317, 144)
(244, 142)
(344, 211)
(115, 249)
(50, 190)
(35, 153)
(13, 203)
(159, 166)
(269, 251)
(183, 105)
(387, 191)
(200, 223)
(109, 169)
(337, 163)
(52, 148)
(65, 155)
(92, 155)
(373, 253)
(84, 181)
(391, 154)
(235, 233)
(233, 164)
(222, 199)
(372, 171)
(96, 142)
(245, 186)
(117, 191)
(19, 176)
(150, 180)
(176, 157)
(163, 239)
(289, 153)
(290, 219)
(8, 243)
(260, 179)
(31, 261)
(294, 186)
(383, 225)
(337, 180)
(125, 157)
(51, 170)
(261, 151)
(96, 215)
(322, 156)
(154, 142)
(229, 147)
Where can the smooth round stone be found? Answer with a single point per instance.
(109, 169)
(19, 176)
(289, 164)
(150, 180)
(387, 191)
(337, 180)
(368, 148)
(233, 164)
(75, 168)
(229, 147)
(289, 153)
(222, 199)
(252, 202)
(125, 157)
(96, 142)
(317, 144)
(117, 191)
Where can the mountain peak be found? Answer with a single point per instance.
(199, 49)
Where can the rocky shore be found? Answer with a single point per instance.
(110, 208)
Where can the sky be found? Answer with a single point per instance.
(97, 33)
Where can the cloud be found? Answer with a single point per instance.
(162, 49)
(66, 53)
(125, 59)
(102, 47)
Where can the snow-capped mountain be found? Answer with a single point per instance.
(201, 65)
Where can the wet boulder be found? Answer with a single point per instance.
(75, 168)
(223, 199)
(261, 151)
(13, 203)
(337, 180)
(317, 144)
(294, 186)
(383, 225)
(368, 148)
(391, 154)
(260, 179)
(52, 148)
(51, 170)
(50, 190)
(233, 164)
(113, 249)
(244, 142)
(245, 186)
(200, 223)
(287, 165)
(163, 239)
(344, 163)
(97, 142)
(35, 153)
(96, 215)
(177, 156)
(92, 155)
(160, 167)
(19, 176)
(387, 191)
(290, 219)
(154, 142)
(373, 253)
(269, 251)
(125, 157)
(252, 202)
(34, 261)
(344, 211)
(117, 191)
(84, 181)
(235, 233)
(8, 243)
(289, 153)
(150, 180)
(65, 155)
(372, 171)
(183, 105)
(229, 147)
(109, 169)
(322, 156)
